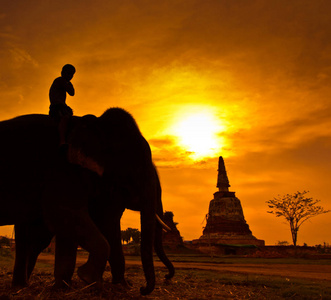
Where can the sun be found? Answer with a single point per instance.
(198, 134)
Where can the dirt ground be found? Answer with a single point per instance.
(319, 272)
(192, 281)
(311, 271)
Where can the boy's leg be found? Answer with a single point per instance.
(63, 125)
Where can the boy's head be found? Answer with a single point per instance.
(68, 71)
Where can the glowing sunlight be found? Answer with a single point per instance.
(197, 133)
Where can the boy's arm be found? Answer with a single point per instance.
(70, 89)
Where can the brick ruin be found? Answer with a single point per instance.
(226, 223)
(171, 239)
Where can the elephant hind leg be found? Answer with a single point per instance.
(43, 238)
(20, 277)
(31, 239)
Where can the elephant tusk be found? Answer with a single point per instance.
(164, 225)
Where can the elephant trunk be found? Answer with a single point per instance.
(158, 246)
(146, 248)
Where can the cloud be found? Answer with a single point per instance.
(283, 135)
(167, 154)
(21, 57)
(262, 66)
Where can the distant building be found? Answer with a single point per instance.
(171, 239)
(226, 224)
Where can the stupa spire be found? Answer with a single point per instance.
(222, 178)
(226, 224)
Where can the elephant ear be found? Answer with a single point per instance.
(85, 144)
(77, 157)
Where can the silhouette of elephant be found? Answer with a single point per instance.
(79, 199)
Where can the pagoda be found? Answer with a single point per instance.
(226, 224)
(171, 238)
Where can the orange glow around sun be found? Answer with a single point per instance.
(197, 131)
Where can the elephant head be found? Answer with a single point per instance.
(113, 147)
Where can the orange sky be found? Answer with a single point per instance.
(258, 72)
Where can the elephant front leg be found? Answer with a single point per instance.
(77, 228)
(91, 239)
(65, 208)
(146, 248)
(65, 260)
(108, 220)
(116, 257)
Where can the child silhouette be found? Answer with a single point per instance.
(58, 109)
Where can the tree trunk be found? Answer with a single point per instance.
(294, 232)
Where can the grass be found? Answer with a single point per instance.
(262, 287)
(187, 283)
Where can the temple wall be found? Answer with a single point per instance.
(227, 207)
(220, 225)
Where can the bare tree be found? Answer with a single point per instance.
(125, 235)
(4, 242)
(130, 233)
(136, 235)
(296, 209)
